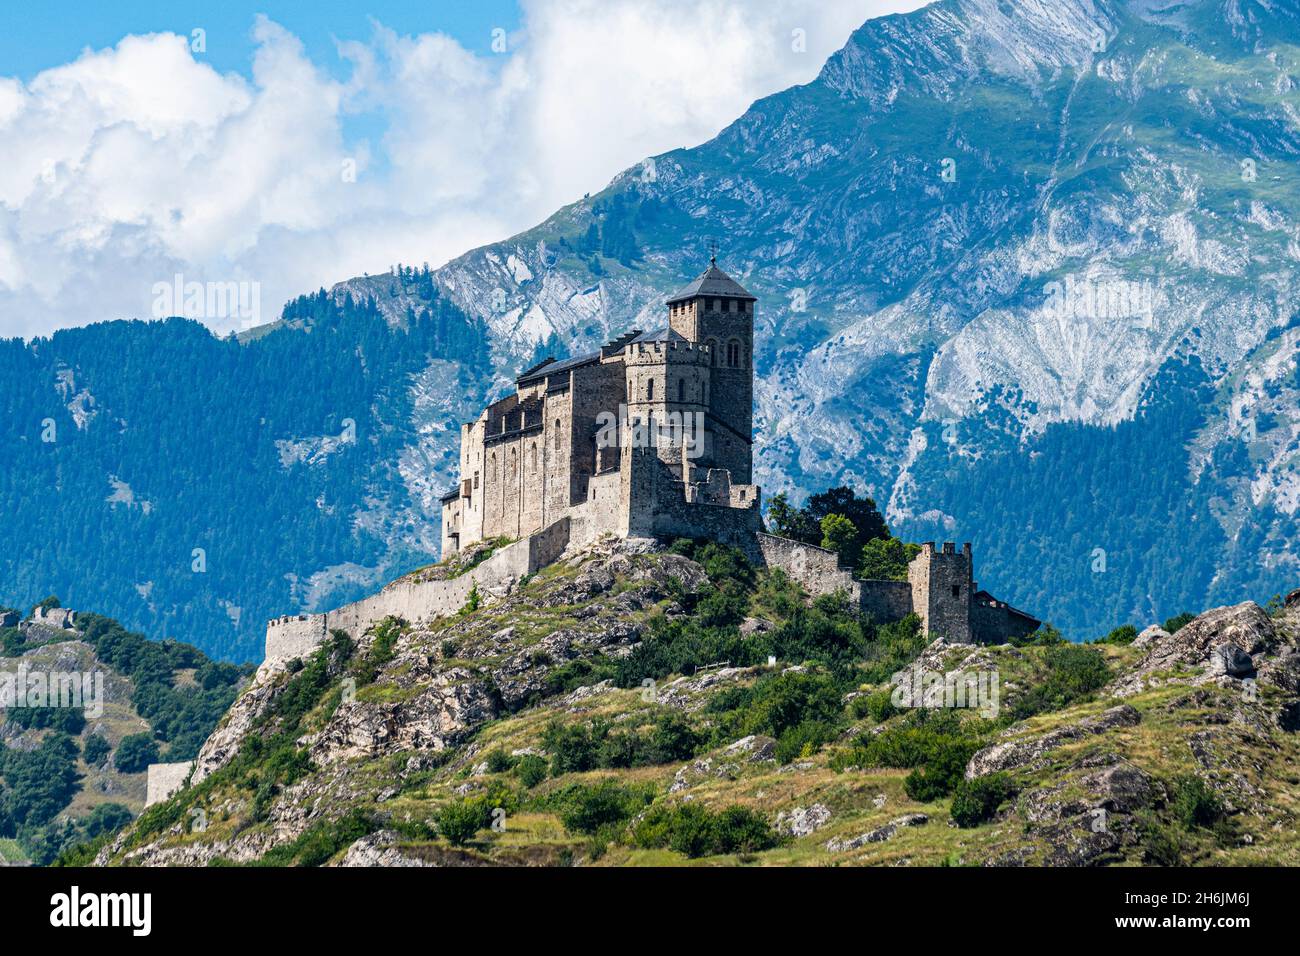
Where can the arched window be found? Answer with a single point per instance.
(681, 390)
(733, 354)
(713, 351)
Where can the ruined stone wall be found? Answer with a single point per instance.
(164, 779)
(885, 601)
(416, 600)
(816, 569)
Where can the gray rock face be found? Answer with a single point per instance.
(1220, 642)
(378, 849)
(1013, 755)
(1231, 660)
(801, 821)
(878, 835)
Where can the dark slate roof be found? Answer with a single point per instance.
(660, 335)
(550, 367)
(712, 282)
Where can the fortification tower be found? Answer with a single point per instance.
(716, 311)
(942, 582)
(667, 399)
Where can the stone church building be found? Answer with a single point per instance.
(652, 437)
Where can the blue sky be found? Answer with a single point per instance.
(41, 34)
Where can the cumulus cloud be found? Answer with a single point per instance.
(135, 164)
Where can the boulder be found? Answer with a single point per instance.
(1231, 660)
(878, 835)
(1153, 633)
(1015, 754)
(801, 821)
(1218, 641)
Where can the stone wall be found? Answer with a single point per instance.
(415, 600)
(164, 779)
(816, 569)
(884, 601)
(994, 622)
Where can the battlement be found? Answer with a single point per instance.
(678, 353)
(949, 551)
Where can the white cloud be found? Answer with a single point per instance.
(132, 164)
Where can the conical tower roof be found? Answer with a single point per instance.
(715, 283)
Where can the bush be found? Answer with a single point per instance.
(95, 751)
(1174, 623)
(531, 770)
(1195, 804)
(1074, 671)
(135, 753)
(942, 771)
(65, 720)
(879, 706)
(696, 831)
(460, 820)
(498, 761)
(1161, 845)
(1122, 635)
(976, 801)
(802, 740)
(588, 809)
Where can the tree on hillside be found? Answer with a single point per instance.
(840, 535)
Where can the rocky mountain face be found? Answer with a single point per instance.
(1013, 258)
(627, 707)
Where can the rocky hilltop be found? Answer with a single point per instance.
(636, 705)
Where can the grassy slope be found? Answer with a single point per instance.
(388, 795)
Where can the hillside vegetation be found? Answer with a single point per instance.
(674, 706)
(73, 774)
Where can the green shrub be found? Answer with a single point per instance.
(696, 831)
(498, 761)
(879, 706)
(802, 740)
(1161, 845)
(531, 770)
(976, 801)
(96, 749)
(135, 753)
(941, 772)
(1175, 623)
(1123, 635)
(459, 820)
(1195, 804)
(588, 809)
(1074, 672)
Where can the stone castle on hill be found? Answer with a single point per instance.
(649, 437)
(652, 437)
